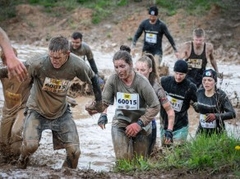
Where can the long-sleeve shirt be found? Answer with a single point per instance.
(153, 34)
(219, 104)
(180, 95)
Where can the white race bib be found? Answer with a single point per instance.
(151, 38)
(175, 103)
(127, 101)
(205, 124)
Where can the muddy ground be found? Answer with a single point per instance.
(35, 27)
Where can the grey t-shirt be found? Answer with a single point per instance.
(83, 51)
(148, 101)
(48, 94)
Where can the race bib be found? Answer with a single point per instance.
(127, 101)
(151, 38)
(205, 124)
(195, 63)
(55, 85)
(175, 103)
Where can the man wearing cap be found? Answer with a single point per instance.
(153, 29)
(197, 53)
(180, 92)
(213, 105)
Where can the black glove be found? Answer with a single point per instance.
(168, 137)
(103, 120)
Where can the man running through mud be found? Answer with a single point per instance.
(83, 50)
(15, 98)
(180, 92)
(197, 53)
(153, 29)
(47, 105)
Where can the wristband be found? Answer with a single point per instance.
(140, 123)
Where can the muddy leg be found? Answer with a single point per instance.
(16, 134)
(141, 145)
(73, 153)
(31, 137)
(123, 145)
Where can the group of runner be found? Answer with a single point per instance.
(191, 84)
(136, 88)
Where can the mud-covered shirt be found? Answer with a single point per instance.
(138, 101)
(179, 95)
(48, 94)
(84, 51)
(219, 104)
(15, 93)
(153, 34)
(197, 65)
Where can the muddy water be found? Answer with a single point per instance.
(95, 143)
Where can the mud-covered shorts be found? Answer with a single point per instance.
(63, 129)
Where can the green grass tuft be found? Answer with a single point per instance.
(213, 153)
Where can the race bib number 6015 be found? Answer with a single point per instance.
(127, 101)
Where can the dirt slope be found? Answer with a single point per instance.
(34, 26)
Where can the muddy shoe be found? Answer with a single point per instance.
(22, 162)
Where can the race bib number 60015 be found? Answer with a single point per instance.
(127, 101)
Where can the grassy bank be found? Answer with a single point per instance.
(211, 154)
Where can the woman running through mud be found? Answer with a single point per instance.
(213, 105)
(136, 107)
(146, 66)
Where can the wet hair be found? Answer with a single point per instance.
(59, 43)
(123, 55)
(198, 32)
(77, 35)
(149, 59)
(126, 48)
